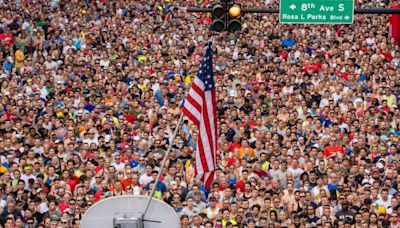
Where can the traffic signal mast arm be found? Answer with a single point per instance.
(356, 11)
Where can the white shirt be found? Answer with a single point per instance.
(50, 65)
(144, 179)
(295, 172)
(324, 102)
(119, 166)
(370, 41)
(384, 203)
(26, 179)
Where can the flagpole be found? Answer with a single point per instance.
(163, 162)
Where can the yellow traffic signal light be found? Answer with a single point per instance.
(235, 11)
(234, 23)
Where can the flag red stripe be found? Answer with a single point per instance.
(190, 116)
(207, 126)
(193, 102)
(203, 158)
(210, 179)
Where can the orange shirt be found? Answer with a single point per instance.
(251, 152)
(19, 58)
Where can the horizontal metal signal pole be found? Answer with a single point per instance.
(356, 11)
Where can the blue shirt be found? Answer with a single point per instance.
(160, 187)
(89, 107)
(333, 187)
(288, 42)
(134, 163)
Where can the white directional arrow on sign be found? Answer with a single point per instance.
(346, 18)
(293, 6)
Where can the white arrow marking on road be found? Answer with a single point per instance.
(293, 6)
(346, 18)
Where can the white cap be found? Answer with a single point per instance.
(136, 138)
(136, 190)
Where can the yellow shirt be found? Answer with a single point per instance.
(389, 99)
(115, 120)
(265, 166)
(142, 86)
(142, 58)
(19, 58)
(231, 221)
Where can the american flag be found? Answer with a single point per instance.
(200, 108)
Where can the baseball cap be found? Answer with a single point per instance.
(379, 165)
(375, 170)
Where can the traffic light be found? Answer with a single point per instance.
(234, 23)
(218, 17)
(226, 17)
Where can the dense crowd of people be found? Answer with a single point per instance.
(91, 91)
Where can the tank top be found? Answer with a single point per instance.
(232, 180)
(211, 213)
(244, 196)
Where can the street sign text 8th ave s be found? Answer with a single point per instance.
(316, 11)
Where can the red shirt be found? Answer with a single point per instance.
(98, 194)
(240, 185)
(63, 206)
(129, 117)
(333, 150)
(388, 56)
(9, 40)
(73, 182)
(125, 183)
(234, 146)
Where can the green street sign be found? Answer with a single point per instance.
(316, 11)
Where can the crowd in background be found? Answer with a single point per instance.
(91, 91)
